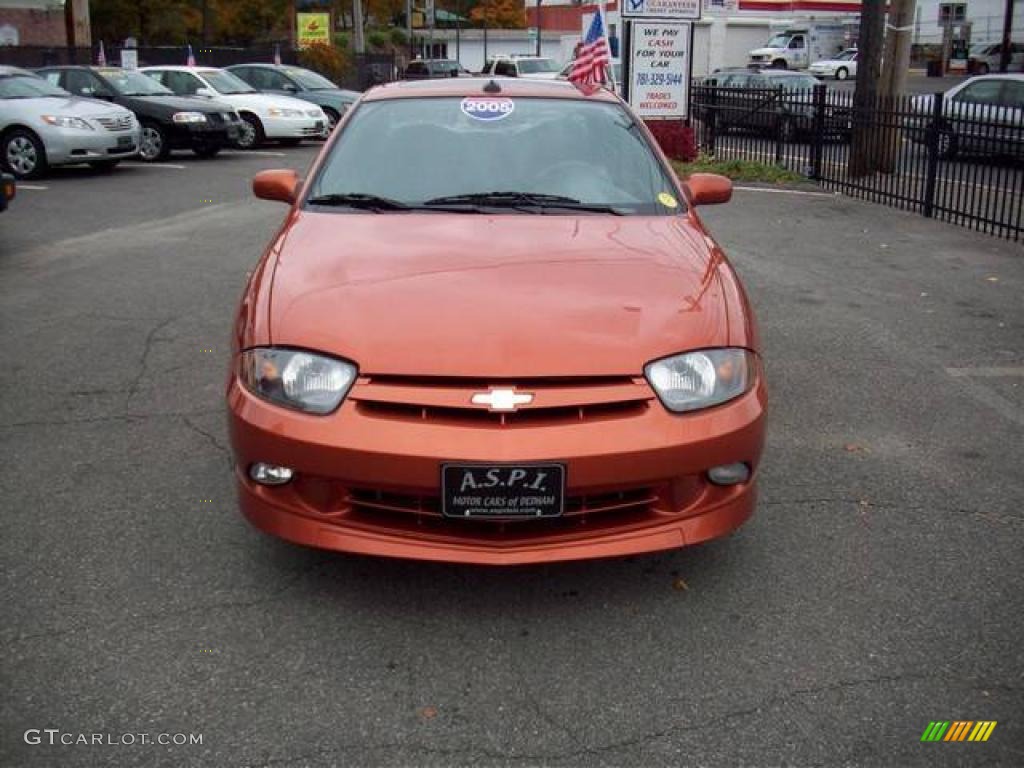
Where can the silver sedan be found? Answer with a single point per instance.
(42, 125)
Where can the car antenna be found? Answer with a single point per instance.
(492, 87)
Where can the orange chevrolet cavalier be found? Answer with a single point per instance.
(493, 329)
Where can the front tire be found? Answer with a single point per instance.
(252, 132)
(332, 118)
(154, 147)
(948, 145)
(23, 154)
(842, 73)
(983, 68)
(780, 64)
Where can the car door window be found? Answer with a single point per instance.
(81, 83)
(245, 73)
(980, 92)
(505, 69)
(277, 82)
(1013, 94)
(182, 83)
(415, 68)
(53, 78)
(797, 42)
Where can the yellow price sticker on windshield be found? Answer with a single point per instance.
(667, 200)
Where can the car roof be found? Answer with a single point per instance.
(179, 68)
(6, 69)
(999, 76)
(511, 87)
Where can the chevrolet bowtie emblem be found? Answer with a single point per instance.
(502, 399)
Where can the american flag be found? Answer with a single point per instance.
(101, 57)
(593, 56)
(191, 60)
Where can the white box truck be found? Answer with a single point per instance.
(798, 44)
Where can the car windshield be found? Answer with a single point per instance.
(412, 151)
(778, 41)
(310, 80)
(129, 83)
(534, 66)
(847, 55)
(28, 87)
(225, 82)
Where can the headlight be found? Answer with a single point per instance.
(296, 379)
(697, 380)
(314, 113)
(188, 117)
(64, 121)
(279, 112)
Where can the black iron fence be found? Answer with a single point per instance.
(959, 159)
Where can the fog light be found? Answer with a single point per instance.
(729, 474)
(270, 474)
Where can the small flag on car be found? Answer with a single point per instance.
(593, 55)
(277, 54)
(101, 57)
(191, 60)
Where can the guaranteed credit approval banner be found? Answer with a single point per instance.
(659, 70)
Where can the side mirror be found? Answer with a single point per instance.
(291, 87)
(280, 185)
(205, 92)
(708, 189)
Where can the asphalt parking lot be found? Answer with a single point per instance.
(880, 586)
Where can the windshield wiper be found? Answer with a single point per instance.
(522, 200)
(358, 200)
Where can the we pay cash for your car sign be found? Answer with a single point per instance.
(659, 70)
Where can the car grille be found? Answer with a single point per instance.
(449, 401)
(119, 123)
(633, 499)
(312, 131)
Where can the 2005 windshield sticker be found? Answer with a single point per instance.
(487, 108)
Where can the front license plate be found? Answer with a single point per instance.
(124, 141)
(319, 125)
(503, 490)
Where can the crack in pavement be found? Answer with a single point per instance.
(151, 339)
(210, 438)
(128, 418)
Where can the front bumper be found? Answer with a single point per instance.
(304, 127)
(67, 147)
(369, 484)
(189, 135)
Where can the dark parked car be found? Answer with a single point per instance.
(300, 83)
(776, 100)
(8, 190)
(168, 121)
(433, 69)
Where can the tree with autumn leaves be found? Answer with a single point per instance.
(245, 22)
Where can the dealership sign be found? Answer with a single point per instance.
(313, 28)
(688, 10)
(659, 68)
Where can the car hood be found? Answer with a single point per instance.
(540, 76)
(765, 51)
(493, 296)
(74, 106)
(178, 103)
(260, 102)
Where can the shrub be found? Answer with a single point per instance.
(398, 37)
(675, 138)
(328, 60)
(377, 39)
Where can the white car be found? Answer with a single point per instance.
(265, 116)
(42, 125)
(529, 67)
(844, 65)
(987, 58)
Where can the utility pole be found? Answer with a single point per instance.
(893, 83)
(865, 96)
(69, 31)
(358, 41)
(1004, 55)
(207, 22)
(538, 26)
